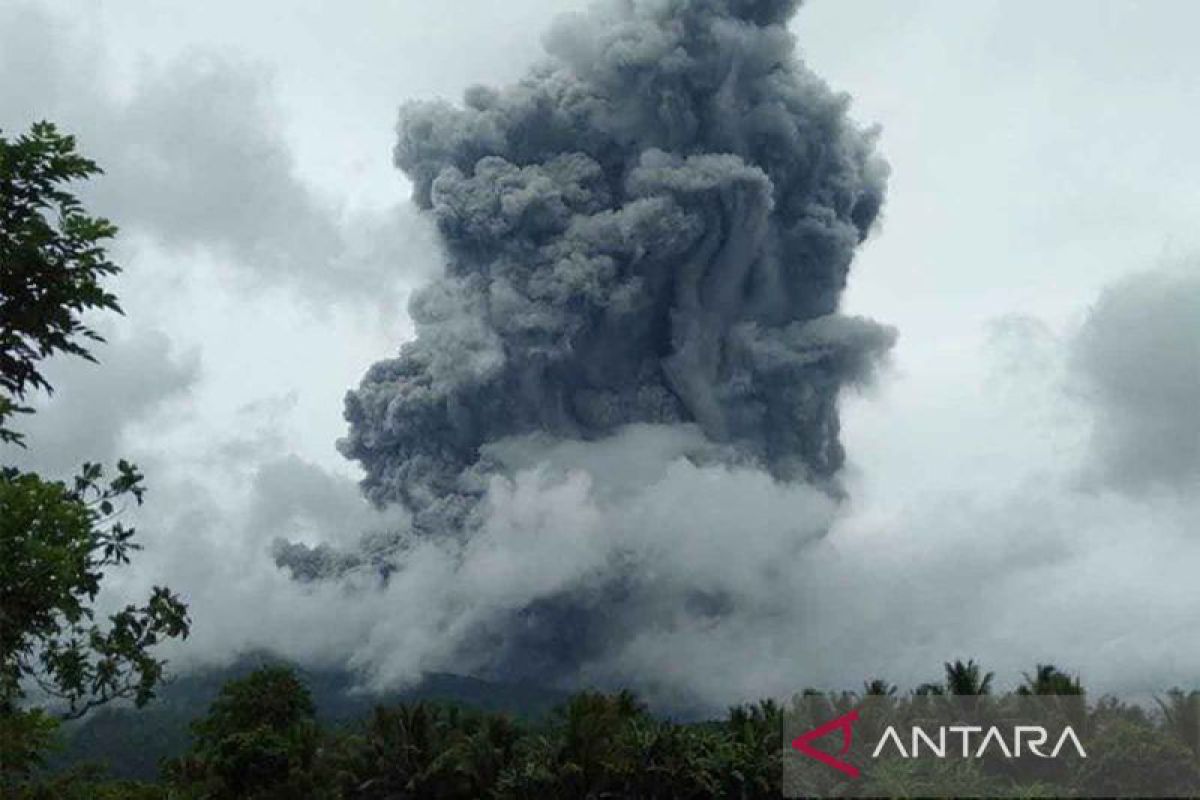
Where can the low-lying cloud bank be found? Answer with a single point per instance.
(744, 586)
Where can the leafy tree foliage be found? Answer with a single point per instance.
(1128, 754)
(58, 539)
(259, 741)
(52, 262)
(427, 750)
(89, 783)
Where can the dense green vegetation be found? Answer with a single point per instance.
(261, 738)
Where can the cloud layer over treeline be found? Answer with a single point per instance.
(1027, 559)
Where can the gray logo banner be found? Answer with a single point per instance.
(983, 746)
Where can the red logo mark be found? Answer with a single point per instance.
(846, 724)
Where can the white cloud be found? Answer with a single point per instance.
(1138, 360)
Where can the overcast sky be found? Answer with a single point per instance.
(1033, 450)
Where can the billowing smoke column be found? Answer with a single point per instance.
(646, 241)
(654, 227)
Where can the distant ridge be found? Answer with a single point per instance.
(131, 742)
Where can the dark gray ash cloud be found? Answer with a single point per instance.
(646, 243)
(1138, 358)
(656, 226)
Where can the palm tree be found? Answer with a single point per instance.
(877, 687)
(402, 743)
(1181, 713)
(967, 679)
(1048, 679)
(587, 739)
(479, 750)
(753, 737)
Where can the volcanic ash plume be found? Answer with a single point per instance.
(646, 241)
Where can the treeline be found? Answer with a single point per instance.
(260, 740)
